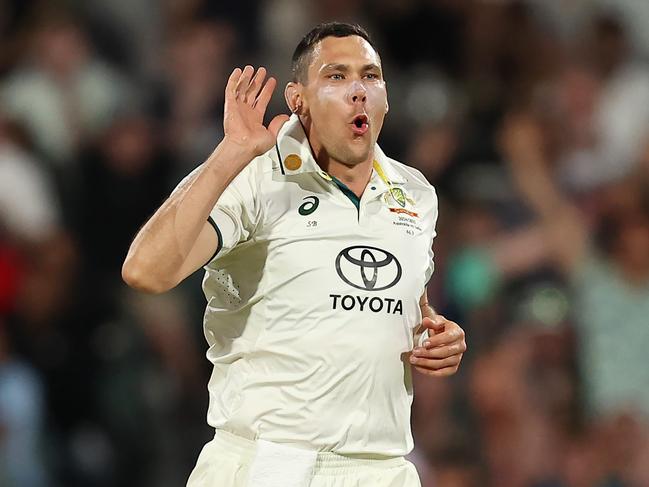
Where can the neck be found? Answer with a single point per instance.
(355, 176)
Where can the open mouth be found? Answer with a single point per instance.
(360, 124)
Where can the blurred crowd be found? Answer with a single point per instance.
(531, 118)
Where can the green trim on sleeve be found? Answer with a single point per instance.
(219, 236)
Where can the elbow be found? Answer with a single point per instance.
(142, 279)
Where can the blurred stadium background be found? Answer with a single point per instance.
(530, 117)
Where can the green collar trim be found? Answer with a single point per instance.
(347, 192)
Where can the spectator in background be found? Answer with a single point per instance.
(192, 90)
(622, 114)
(122, 179)
(32, 250)
(13, 14)
(599, 106)
(22, 414)
(610, 283)
(521, 392)
(31, 223)
(127, 33)
(86, 348)
(62, 93)
(443, 453)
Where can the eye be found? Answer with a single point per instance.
(372, 76)
(336, 76)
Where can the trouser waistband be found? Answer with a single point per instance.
(326, 462)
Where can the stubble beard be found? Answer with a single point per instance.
(348, 156)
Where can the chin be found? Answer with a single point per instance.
(355, 159)
(350, 154)
(357, 156)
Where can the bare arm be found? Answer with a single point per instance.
(561, 226)
(178, 239)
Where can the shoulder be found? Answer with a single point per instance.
(413, 178)
(254, 173)
(263, 165)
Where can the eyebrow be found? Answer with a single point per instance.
(345, 68)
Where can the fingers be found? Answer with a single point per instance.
(452, 333)
(249, 87)
(256, 83)
(436, 323)
(448, 371)
(244, 82)
(249, 83)
(442, 367)
(442, 352)
(264, 95)
(231, 86)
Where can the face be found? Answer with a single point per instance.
(344, 100)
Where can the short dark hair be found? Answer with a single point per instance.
(302, 54)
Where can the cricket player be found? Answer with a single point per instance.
(317, 250)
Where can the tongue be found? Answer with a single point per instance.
(359, 129)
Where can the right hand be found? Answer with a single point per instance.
(246, 99)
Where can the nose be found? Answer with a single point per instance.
(357, 93)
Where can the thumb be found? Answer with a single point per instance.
(433, 324)
(276, 124)
(436, 323)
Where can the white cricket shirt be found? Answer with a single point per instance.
(312, 302)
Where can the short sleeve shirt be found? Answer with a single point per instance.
(313, 299)
(613, 318)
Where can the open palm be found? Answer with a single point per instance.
(246, 99)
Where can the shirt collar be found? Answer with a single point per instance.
(295, 156)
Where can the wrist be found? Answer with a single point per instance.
(238, 147)
(233, 154)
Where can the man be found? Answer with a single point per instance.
(318, 248)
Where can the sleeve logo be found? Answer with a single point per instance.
(309, 206)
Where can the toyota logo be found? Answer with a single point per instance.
(368, 268)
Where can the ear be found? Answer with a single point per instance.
(293, 97)
(387, 106)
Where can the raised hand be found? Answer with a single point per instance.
(246, 99)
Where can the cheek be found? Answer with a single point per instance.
(328, 95)
(325, 99)
(377, 97)
(377, 103)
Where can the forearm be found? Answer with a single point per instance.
(561, 233)
(161, 248)
(536, 185)
(524, 144)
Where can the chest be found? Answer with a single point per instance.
(316, 231)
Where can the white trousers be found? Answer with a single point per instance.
(233, 461)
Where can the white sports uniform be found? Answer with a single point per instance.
(313, 298)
